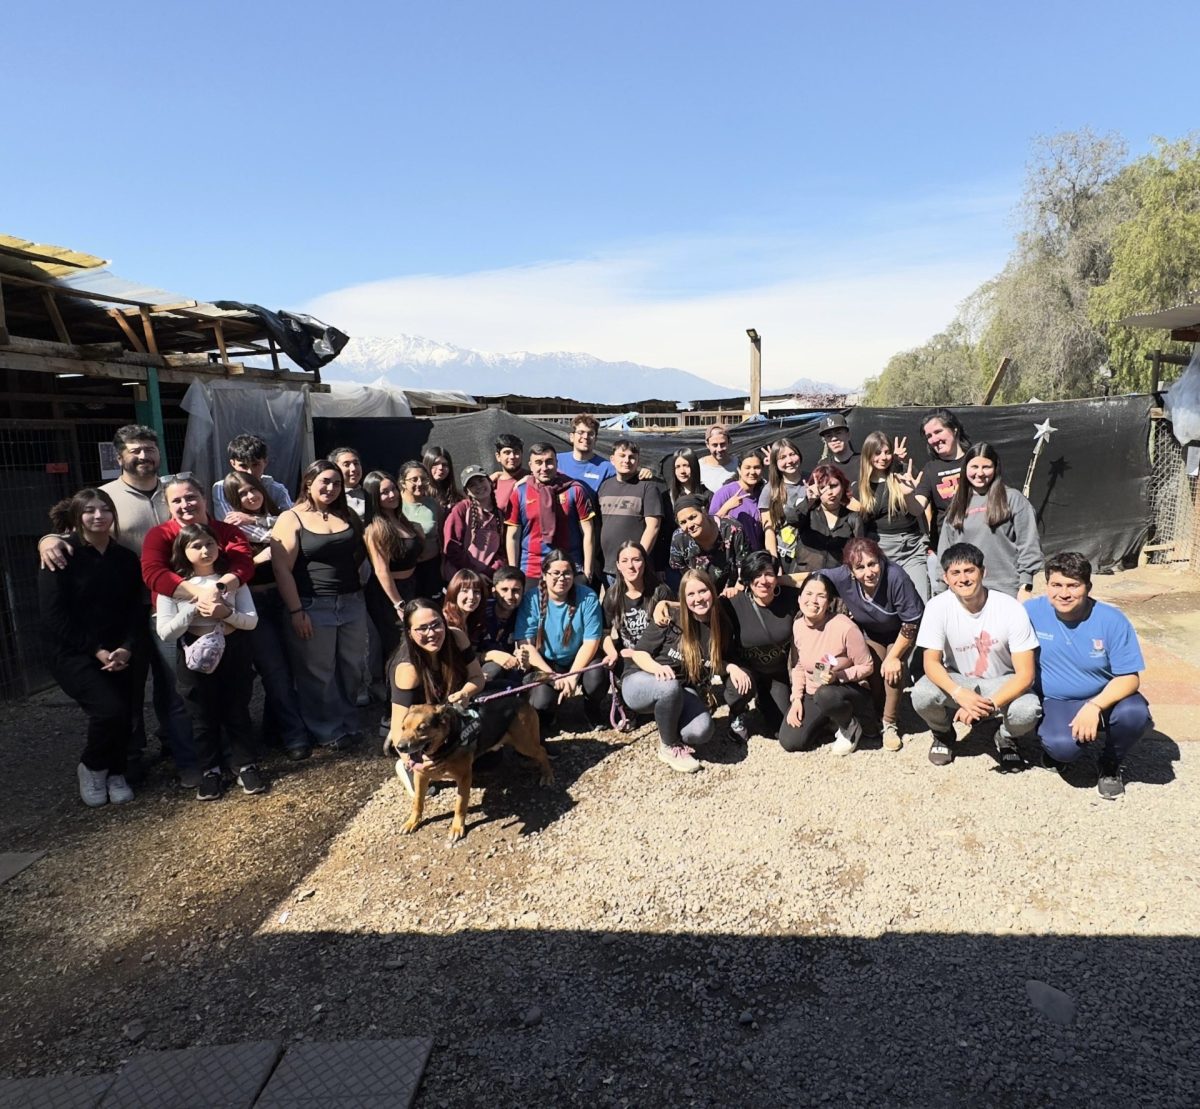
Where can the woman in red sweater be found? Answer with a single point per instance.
(830, 664)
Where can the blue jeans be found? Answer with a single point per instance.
(175, 726)
(281, 708)
(1120, 728)
(328, 667)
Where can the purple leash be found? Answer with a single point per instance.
(617, 716)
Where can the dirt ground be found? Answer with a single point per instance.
(775, 930)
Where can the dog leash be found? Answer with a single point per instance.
(533, 685)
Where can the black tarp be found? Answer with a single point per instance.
(1090, 489)
(304, 339)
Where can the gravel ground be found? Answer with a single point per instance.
(775, 930)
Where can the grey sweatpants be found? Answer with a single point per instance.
(679, 713)
(937, 709)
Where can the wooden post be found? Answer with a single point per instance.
(274, 353)
(147, 406)
(1155, 372)
(219, 332)
(994, 388)
(130, 334)
(3, 322)
(60, 328)
(756, 376)
(151, 341)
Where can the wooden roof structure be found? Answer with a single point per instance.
(63, 311)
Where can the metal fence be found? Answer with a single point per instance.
(1173, 502)
(41, 461)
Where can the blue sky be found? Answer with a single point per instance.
(640, 181)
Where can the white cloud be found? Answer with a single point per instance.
(832, 314)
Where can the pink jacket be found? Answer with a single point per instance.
(839, 637)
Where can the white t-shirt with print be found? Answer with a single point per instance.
(977, 644)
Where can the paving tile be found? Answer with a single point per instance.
(355, 1074)
(226, 1077)
(60, 1091)
(13, 862)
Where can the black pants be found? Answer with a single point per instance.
(219, 704)
(831, 705)
(107, 700)
(544, 697)
(385, 618)
(773, 692)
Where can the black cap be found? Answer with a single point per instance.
(833, 423)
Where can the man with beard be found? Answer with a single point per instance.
(141, 506)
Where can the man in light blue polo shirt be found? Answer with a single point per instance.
(1088, 673)
(581, 462)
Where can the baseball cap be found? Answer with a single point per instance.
(833, 423)
(470, 472)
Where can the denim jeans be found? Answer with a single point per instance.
(157, 658)
(281, 706)
(328, 667)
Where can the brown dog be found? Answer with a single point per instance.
(433, 736)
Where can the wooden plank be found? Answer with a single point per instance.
(177, 306)
(270, 341)
(994, 388)
(60, 328)
(104, 352)
(130, 334)
(219, 332)
(72, 291)
(148, 329)
(12, 359)
(1186, 334)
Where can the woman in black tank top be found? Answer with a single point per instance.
(317, 551)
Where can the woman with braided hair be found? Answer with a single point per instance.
(559, 627)
(473, 534)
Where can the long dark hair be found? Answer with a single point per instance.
(998, 509)
(387, 530)
(674, 488)
(614, 596)
(476, 508)
(473, 625)
(189, 533)
(827, 473)
(776, 482)
(554, 556)
(442, 673)
(67, 515)
(235, 482)
(445, 492)
(340, 507)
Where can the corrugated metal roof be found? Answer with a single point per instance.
(1185, 315)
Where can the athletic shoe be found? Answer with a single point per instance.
(1111, 784)
(845, 740)
(190, 777)
(679, 758)
(941, 753)
(1049, 762)
(891, 738)
(210, 786)
(1009, 755)
(118, 789)
(405, 774)
(739, 728)
(252, 780)
(92, 788)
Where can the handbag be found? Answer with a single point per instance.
(204, 653)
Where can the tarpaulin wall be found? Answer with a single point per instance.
(1090, 489)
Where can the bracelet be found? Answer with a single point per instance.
(1094, 705)
(295, 611)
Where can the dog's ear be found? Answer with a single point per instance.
(439, 715)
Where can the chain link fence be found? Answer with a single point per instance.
(1173, 503)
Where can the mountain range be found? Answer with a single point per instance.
(412, 362)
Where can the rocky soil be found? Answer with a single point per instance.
(775, 930)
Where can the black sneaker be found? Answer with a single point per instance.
(210, 786)
(1049, 762)
(1111, 784)
(298, 754)
(739, 728)
(941, 753)
(252, 780)
(1008, 755)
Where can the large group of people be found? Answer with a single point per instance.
(806, 602)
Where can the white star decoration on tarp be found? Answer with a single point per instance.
(1042, 432)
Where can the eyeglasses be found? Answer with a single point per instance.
(560, 573)
(168, 479)
(429, 629)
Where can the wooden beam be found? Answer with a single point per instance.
(12, 359)
(130, 334)
(270, 341)
(1186, 334)
(60, 328)
(219, 332)
(177, 306)
(72, 291)
(994, 388)
(49, 259)
(3, 324)
(148, 328)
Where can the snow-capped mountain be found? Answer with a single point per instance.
(412, 362)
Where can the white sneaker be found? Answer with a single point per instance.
(405, 774)
(118, 789)
(679, 758)
(845, 740)
(92, 787)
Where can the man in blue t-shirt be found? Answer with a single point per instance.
(1088, 664)
(581, 462)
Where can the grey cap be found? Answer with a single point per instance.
(470, 472)
(833, 423)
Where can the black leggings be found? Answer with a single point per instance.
(544, 697)
(773, 694)
(831, 704)
(219, 703)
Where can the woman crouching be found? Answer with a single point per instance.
(830, 665)
(677, 666)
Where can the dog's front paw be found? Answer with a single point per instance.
(547, 777)
(409, 826)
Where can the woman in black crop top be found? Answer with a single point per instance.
(394, 547)
(317, 550)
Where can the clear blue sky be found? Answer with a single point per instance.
(550, 175)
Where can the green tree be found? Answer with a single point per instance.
(1155, 257)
